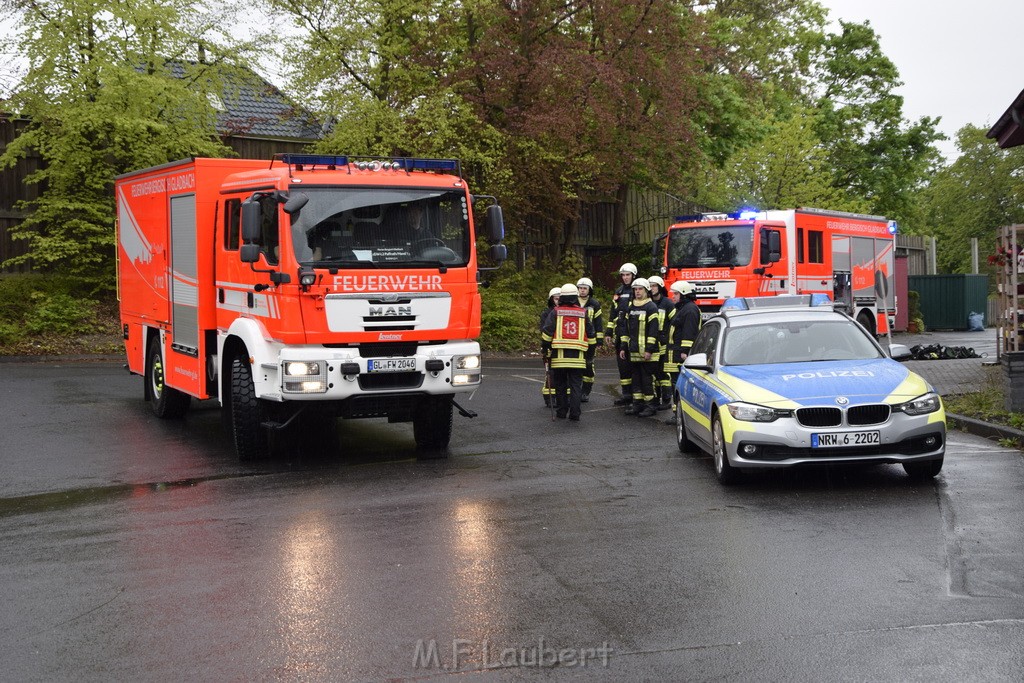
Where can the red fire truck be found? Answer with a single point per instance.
(848, 256)
(304, 288)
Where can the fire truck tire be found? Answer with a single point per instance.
(432, 426)
(166, 402)
(866, 321)
(251, 439)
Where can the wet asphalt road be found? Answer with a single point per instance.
(137, 549)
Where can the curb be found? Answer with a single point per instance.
(77, 358)
(985, 430)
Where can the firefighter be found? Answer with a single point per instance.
(683, 327)
(662, 385)
(638, 347)
(567, 339)
(596, 317)
(547, 389)
(620, 304)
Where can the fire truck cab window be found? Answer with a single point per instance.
(232, 223)
(815, 246)
(400, 227)
(799, 245)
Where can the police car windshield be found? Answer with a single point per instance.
(710, 247)
(799, 341)
(371, 227)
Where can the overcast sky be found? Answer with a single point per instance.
(962, 61)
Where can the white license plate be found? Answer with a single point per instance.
(390, 364)
(845, 439)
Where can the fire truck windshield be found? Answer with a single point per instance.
(698, 247)
(371, 227)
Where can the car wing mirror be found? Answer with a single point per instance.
(899, 352)
(697, 361)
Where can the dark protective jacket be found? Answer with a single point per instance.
(567, 336)
(620, 304)
(683, 328)
(639, 331)
(595, 314)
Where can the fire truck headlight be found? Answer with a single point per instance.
(304, 377)
(466, 370)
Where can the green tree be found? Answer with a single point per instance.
(788, 167)
(107, 88)
(978, 193)
(872, 150)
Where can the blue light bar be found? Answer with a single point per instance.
(735, 304)
(428, 164)
(314, 160)
(748, 214)
(739, 303)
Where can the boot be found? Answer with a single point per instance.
(585, 396)
(634, 407)
(624, 401)
(666, 399)
(646, 410)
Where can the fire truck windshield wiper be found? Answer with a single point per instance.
(440, 265)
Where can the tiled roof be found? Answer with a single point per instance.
(252, 107)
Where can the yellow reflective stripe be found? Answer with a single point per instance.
(698, 416)
(911, 387)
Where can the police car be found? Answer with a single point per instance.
(787, 380)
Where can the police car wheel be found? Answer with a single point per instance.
(166, 402)
(726, 473)
(682, 440)
(923, 470)
(432, 426)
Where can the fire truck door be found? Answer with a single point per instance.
(184, 272)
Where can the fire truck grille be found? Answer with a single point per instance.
(819, 417)
(390, 380)
(387, 349)
(868, 415)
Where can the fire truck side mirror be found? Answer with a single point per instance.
(249, 253)
(771, 246)
(495, 224)
(252, 222)
(498, 253)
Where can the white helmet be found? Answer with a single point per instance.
(627, 268)
(642, 282)
(585, 282)
(569, 289)
(555, 291)
(683, 287)
(656, 280)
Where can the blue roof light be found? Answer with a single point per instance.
(314, 160)
(737, 303)
(428, 164)
(748, 214)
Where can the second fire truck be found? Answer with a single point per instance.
(848, 256)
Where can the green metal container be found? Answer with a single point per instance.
(947, 300)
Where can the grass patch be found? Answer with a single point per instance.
(989, 404)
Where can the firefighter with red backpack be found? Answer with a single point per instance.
(566, 338)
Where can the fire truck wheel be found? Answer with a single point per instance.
(165, 401)
(865, 320)
(432, 426)
(251, 439)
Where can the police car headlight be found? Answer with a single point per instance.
(749, 412)
(922, 405)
